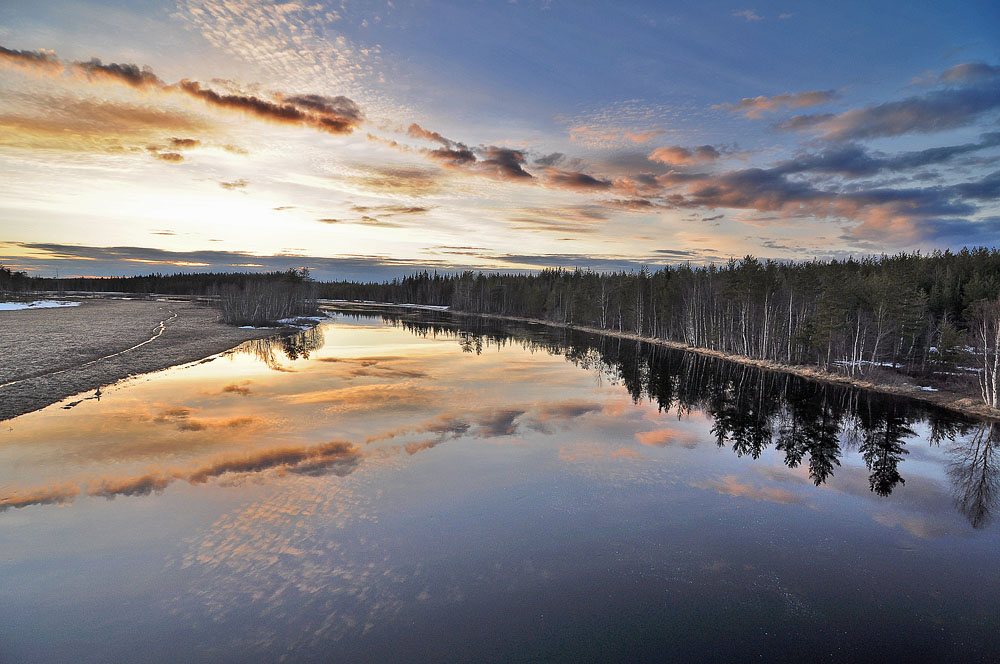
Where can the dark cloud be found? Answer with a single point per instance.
(37, 59)
(390, 210)
(184, 143)
(987, 189)
(574, 180)
(959, 232)
(113, 261)
(254, 105)
(235, 184)
(507, 163)
(129, 74)
(302, 459)
(550, 159)
(174, 157)
(336, 109)
(236, 388)
(935, 111)
(142, 485)
(453, 156)
(854, 161)
(630, 204)
(498, 423)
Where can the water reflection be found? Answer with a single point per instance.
(811, 423)
(541, 495)
(975, 473)
(293, 347)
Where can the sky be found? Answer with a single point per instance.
(370, 140)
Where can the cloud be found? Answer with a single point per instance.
(250, 104)
(336, 115)
(142, 485)
(507, 163)
(123, 260)
(731, 485)
(296, 458)
(51, 495)
(676, 155)
(42, 60)
(550, 159)
(756, 107)
(986, 189)
(855, 161)
(405, 395)
(129, 74)
(559, 219)
(86, 125)
(337, 457)
(643, 136)
(184, 143)
(749, 14)
(416, 131)
(174, 157)
(939, 110)
(390, 210)
(970, 71)
(409, 180)
(666, 437)
(234, 185)
(574, 180)
(453, 156)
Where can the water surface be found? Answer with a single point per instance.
(423, 488)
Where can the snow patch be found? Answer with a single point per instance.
(37, 304)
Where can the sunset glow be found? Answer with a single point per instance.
(370, 140)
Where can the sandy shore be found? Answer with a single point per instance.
(49, 354)
(965, 404)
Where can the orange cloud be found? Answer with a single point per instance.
(680, 156)
(731, 485)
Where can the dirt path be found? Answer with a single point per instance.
(49, 354)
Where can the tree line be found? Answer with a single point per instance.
(921, 314)
(934, 315)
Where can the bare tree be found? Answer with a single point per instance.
(986, 336)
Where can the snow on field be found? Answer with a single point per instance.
(37, 304)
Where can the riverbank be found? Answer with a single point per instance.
(964, 403)
(53, 353)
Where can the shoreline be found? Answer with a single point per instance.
(55, 353)
(953, 401)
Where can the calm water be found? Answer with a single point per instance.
(415, 489)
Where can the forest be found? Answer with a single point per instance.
(933, 315)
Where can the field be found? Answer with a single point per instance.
(50, 354)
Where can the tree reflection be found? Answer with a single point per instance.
(751, 408)
(292, 347)
(975, 473)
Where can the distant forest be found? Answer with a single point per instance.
(921, 314)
